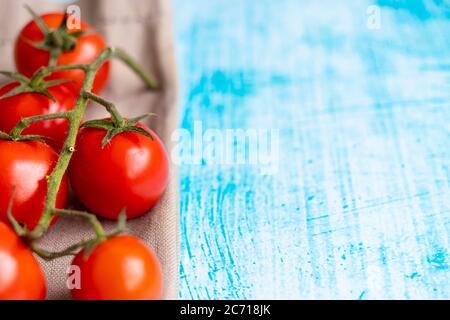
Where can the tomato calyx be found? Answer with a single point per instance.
(55, 41)
(116, 124)
(34, 85)
(112, 129)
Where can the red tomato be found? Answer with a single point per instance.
(88, 46)
(25, 166)
(120, 268)
(23, 105)
(21, 277)
(130, 172)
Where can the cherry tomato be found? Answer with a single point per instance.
(29, 58)
(24, 165)
(21, 277)
(15, 108)
(130, 172)
(120, 268)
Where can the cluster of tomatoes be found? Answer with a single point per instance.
(130, 172)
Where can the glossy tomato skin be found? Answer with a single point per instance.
(130, 172)
(120, 268)
(15, 108)
(24, 165)
(21, 277)
(29, 59)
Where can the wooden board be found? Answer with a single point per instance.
(360, 207)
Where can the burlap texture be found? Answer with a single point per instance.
(143, 28)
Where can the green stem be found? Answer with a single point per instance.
(110, 107)
(47, 255)
(45, 71)
(38, 20)
(54, 54)
(87, 244)
(92, 219)
(56, 39)
(75, 118)
(15, 76)
(149, 80)
(25, 122)
(21, 231)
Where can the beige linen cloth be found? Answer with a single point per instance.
(143, 28)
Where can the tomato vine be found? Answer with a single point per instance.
(38, 84)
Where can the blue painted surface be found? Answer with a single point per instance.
(360, 206)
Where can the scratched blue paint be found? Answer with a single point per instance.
(360, 207)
